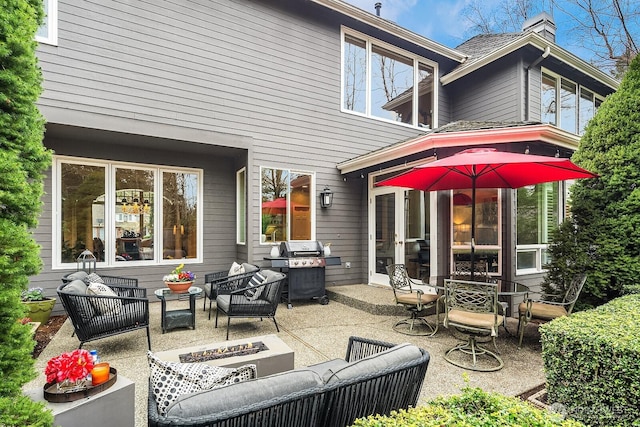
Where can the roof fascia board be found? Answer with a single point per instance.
(541, 43)
(543, 132)
(389, 27)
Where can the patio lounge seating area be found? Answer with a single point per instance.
(316, 333)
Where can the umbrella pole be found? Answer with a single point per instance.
(473, 222)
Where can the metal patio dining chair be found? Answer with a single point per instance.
(414, 300)
(472, 308)
(545, 307)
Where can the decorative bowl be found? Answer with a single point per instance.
(179, 287)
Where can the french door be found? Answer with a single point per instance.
(399, 232)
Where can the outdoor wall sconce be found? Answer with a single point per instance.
(86, 261)
(326, 198)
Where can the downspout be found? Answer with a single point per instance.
(527, 109)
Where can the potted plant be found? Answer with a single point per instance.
(179, 281)
(38, 306)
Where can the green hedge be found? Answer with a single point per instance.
(592, 363)
(473, 408)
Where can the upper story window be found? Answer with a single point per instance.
(241, 206)
(566, 104)
(538, 214)
(379, 80)
(125, 214)
(48, 31)
(286, 205)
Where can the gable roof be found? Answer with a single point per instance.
(483, 49)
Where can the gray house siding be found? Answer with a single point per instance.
(490, 94)
(215, 85)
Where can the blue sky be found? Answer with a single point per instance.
(438, 20)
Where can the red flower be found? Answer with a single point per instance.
(72, 366)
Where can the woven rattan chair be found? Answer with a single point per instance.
(472, 308)
(414, 300)
(237, 303)
(540, 307)
(220, 282)
(130, 311)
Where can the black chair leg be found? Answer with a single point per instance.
(276, 323)
(149, 338)
(228, 324)
(216, 318)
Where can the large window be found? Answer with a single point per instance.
(125, 213)
(286, 205)
(538, 214)
(48, 31)
(487, 228)
(567, 105)
(385, 82)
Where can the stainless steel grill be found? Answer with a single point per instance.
(304, 262)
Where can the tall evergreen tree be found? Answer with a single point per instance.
(607, 209)
(23, 160)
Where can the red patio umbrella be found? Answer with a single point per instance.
(486, 168)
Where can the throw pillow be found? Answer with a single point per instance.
(104, 305)
(236, 269)
(93, 278)
(170, 380)
(83, 307)
(253, 292)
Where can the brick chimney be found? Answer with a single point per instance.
(542, 24)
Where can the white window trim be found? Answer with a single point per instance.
(562, 203)
(312, 207)
(241, 200)
(109, 213)
(51, 20)
(416, 61)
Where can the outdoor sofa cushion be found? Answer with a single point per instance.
(243, 394)
(392, 357)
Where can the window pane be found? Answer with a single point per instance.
(275, 187)
(241, 202)
(526, 260)
(391, 85)
(548, 100)
(569, 105)
(179, 215)
(82, 211)
(537, 213)
(43, 30)
(300, 206)
(355, 74)
(587, 109)
(425, 96)
(134, 214)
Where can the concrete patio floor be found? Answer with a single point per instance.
(316, 333)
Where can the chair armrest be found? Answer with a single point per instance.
(359, 348)
(231, 283)
(215, 276)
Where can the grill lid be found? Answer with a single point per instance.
(300, 248)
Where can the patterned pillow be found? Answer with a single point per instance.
(104, 305)
(170, 380)
(256, 280)
(236, 269)
(93, 278)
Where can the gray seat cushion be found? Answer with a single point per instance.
(243, 394)
(394, 356)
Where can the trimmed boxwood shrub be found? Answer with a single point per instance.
(592, 363)
(473, 408)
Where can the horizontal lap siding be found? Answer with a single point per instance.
(492, 94)
(250, 69)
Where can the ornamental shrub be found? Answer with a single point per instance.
(592, 363)
(473, 408)
(606, 209)
(23, 160)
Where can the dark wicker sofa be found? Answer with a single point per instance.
(374, 378)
